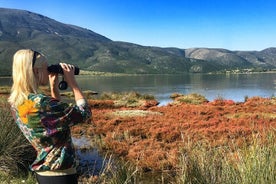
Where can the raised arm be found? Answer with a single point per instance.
(68, 71)
(53, 80)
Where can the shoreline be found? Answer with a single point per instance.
(108, 74)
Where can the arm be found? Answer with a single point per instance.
(68, 71)
(58, 116)
(53, 80)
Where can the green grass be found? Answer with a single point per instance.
(16, 153)
(8, 179)
(126, 99)
(254, 164)
(190, 98)
(5, 89)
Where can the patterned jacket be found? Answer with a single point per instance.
(46, 122)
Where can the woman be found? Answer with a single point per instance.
(45, 120)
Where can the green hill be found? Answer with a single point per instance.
(91, 51)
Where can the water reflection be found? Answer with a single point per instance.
(229, 86)
(90, 161)
(233, 86)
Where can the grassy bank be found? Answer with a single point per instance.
(203, 164)
(16, 153)
(8, 179)
(254, 164)
(186, 142)
(192, 140)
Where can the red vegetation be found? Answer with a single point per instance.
(154, 141)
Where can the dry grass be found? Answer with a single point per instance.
(189, 98)
(16, 153)
(133, 113)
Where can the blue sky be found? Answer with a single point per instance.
(230, 24)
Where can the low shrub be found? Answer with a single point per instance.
(189, 98)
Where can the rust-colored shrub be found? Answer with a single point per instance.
(153, 141)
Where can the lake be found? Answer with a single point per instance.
(212, 86)
(230, 86)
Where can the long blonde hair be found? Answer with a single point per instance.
(24, 79)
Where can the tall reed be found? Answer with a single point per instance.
(16, 153)
(251, 164)
(114, 171)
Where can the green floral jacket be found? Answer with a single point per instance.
(46, 122)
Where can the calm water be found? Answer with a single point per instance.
(233, 86)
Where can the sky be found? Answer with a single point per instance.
(230, 24)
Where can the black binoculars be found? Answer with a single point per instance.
(57, 69)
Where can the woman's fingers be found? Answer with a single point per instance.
(67, 67)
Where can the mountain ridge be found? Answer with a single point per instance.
(92, 51)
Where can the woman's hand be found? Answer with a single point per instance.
(69, 76)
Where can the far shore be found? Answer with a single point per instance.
(92, 73)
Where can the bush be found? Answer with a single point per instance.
(189, 98)
(16, 153)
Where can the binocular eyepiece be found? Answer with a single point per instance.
(57, 69)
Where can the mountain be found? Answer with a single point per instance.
(265, 59)
(92, 51)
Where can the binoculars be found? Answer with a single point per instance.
(57, 69)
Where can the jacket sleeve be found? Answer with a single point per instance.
(56, 115)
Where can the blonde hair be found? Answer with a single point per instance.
(24, 79)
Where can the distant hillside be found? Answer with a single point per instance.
(223, 57)
(91, 51)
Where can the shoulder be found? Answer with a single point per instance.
(42, 99)
(47, 102)
(38, 98)
(34, 97)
